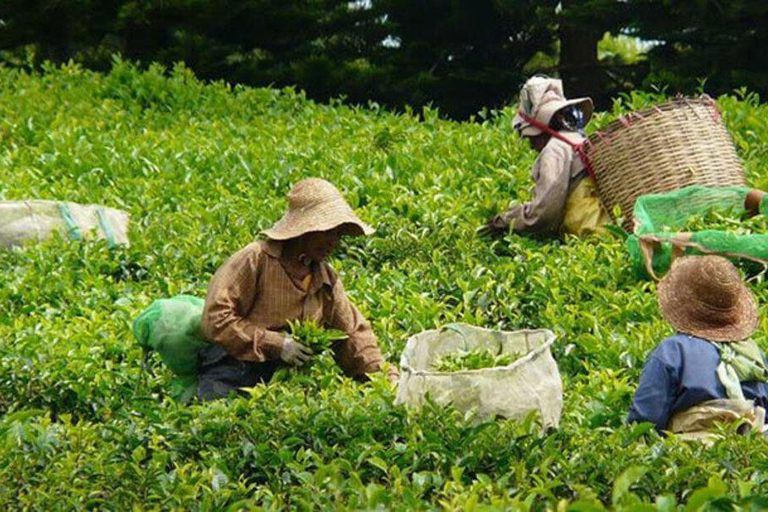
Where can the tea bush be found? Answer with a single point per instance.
(202, 168)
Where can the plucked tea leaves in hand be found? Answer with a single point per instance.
(314, 336)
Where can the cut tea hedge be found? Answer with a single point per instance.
(202, 168)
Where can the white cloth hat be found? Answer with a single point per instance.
(541, 98)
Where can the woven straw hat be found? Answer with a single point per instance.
(704, 296)
(541, 97)
(316, 205)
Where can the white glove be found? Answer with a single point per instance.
(294, 353)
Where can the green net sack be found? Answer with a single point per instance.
(171, 327)
(697, 220)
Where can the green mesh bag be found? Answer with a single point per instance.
(661, 232)
(171, 327)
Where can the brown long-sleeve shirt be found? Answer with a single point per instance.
(251, 298)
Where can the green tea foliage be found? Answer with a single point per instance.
(202, 169)
(472, 360)
(724, 221)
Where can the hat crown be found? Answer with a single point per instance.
(539, 91)
(312, 192)
(316, 205)
(706, 297)
(714, 282)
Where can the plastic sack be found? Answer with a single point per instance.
(660, 218)
(531, 382)
(171, 327)
(38, 220)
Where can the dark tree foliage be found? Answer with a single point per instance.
(59, 30)
(582, 24)
(310, 43)
(721, 42)
(459, 55)
(715, 42)
(462, 54)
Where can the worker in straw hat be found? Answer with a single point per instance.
(268, 283)
(565, 197)
(711, 370)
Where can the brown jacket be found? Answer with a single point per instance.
(251, 298)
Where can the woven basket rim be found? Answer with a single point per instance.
(663, 147)
(654, 110)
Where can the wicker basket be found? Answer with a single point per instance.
(667, 147)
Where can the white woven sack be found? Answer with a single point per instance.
(532, 382)
(37, 220)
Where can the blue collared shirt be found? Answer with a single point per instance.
(679, 374)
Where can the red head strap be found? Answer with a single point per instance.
(579, 148)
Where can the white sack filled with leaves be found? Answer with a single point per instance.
(527, 379)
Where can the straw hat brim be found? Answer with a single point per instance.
(548, 110)
(676, 308)
(321, 217)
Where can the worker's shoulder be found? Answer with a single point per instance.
(253, 252)
(561, 147)
(259, 248)
(678, 345)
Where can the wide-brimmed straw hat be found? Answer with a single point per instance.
(541, 98)
(704, 296)
(316, 205)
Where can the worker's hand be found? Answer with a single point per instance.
(753, 200)
(393, 376)
(294, 353)
(497, 226)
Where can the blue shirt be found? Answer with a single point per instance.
(681, 373)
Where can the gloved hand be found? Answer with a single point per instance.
(294, 353)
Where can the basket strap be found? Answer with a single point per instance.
(647, 248)
(713, 109)
(579, 148)
(649, 244)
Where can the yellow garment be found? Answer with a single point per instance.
(584, 215)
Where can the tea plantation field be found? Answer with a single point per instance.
(202, 168)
